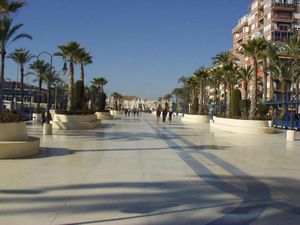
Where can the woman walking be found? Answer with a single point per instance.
(158, 112)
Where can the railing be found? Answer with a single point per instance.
(283, 5)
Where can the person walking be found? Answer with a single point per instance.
(170, 115)
(158, 112)
(165, 112)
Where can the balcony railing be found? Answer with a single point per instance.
(283, 5)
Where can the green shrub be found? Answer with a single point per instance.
(235, 101)
(262, 110)
(9, 117)
(245, 107)
(79, 95)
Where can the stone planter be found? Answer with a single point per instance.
(103, 116)
(47, 129)
(36, 118)
(15, 143)
(290, 135)
(116, 112)
(188, 118)
(75, 122)
(242, 126)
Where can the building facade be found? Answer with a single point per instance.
(275, 20)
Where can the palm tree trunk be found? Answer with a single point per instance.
(297, 93)
(3, 53)
(71, 87)
(245, 90)
(22, 88)
(228, 103)
(265, 81)
(271, 87)
(225, 95)
(284, 94)
(254, 91)
(201, 99)
(82, 73)
(215, 98)
(40, 91)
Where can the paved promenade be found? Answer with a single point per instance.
(135, 171)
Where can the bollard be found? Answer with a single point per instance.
(47, 129)
(290, 135)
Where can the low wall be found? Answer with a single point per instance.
(19, 149)
(242, 126)
(14, 142)
(75, 122)
(103, 116)
(195, 118)
(13, 131)
(116, 112)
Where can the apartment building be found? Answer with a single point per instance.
(276, 20)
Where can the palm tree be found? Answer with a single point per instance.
(51, 78)
(100, 82)
(245, 75)
(192, 83)
(254, 48)
(216, 79)
(7, 7)
(8, 34)
(168, 98)
(69, 53)
(226, 63)
(40, 68)
(269, 55)
(21, 57)
(283, 70)
(83, 58)
(117, 97)
(202, 75)
(292, 49)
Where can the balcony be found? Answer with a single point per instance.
(284, 19)
(283, 6)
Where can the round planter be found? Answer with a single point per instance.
(75, 122)
(290, 135)
(195, 118)
(14, 142)
(242, 126)
(13, 131)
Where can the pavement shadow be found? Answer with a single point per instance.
(145, 199)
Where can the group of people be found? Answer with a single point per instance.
(165, 112)
(134, 111)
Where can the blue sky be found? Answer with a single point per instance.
(142, 47)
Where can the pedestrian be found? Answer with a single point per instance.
(170, 115)
(158, 112)
(126, 112)
(164, 115)
(165, 112)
